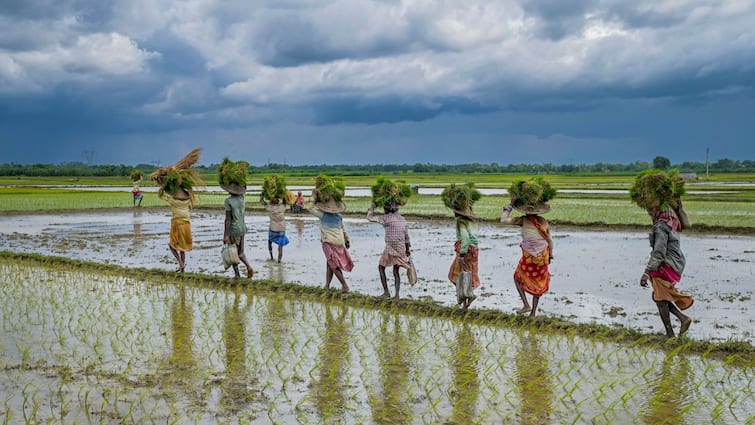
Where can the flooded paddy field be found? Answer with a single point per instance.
(87, 346)
(595, 273)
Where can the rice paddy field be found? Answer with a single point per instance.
(97, 329)
(87, 345)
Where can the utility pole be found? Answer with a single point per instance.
(707, 151)
(89, 155)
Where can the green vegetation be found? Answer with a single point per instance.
(230, 172)
(165, 348)
(328, 188)
(387, 192)
(657, 190)
(460, 197)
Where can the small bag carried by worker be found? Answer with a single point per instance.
(464, 287)
(411, 272)
(230, 255)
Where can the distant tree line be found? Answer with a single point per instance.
(79, 169)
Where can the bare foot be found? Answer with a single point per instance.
(524, 310)
(385, 295)
(249, 273)
(345, 290)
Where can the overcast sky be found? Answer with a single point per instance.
(376, 82)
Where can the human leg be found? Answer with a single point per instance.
(177, 256)
(397, 280)
(280, 253)
(535, 300)
(270, 248)
(328, 276)
(339, 275)
(663, 311)
(383, 282)
(525, 304)
(683, 318)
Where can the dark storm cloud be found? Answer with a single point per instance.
(572, 76)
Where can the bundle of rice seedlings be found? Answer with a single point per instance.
(460, 197)
(136, 175)
(386, 192)
(274, 187)
(657, 190)
(531, 194)
(179, 175)
(327, 188)
(230, 172)
(290, 198)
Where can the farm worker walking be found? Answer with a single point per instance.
(391, 196)
(531, 275)
(397, 245)
(176, 188)
(460, 200)
(660, 194)
(326, 206)
(276, 210)
(232, 176)
(180, 225)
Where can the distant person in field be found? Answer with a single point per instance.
(180, 225)
(397, 245)
(532, 275)
(137, 195)
(234, 227)
(460, 199)
(276, 210)
(335, 241)
(298, 205)
(666, 264)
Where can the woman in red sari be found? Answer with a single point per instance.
(532, 275)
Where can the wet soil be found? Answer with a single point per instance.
(595, 273)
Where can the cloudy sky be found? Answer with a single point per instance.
(376, 82)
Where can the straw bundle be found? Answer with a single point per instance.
(136, 175)
(179, 175)
(230, 172)
(461, 197)
(531, 194)
(657, 190)
(274, 187)
(386, 192)
(327, 188)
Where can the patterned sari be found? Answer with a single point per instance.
(532, 272)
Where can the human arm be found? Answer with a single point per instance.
(227, 226)
(659, 242)
(506, 219)
(346, 240)
(371, 213)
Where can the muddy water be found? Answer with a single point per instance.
(81, 347)
(595, 274)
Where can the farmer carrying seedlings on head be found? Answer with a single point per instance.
(136, 191)
(177, 184)
(390, 196)
(232, 179)
(531, 275)
(460, 198)
(660, 194)
(327, 205)
(274, 190)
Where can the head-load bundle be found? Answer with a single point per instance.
(390, 194)
(461, 198)
(531, 196)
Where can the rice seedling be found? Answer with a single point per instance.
(209, 352)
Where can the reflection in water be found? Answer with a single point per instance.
(396, 356)
(670, 387)
(275, 271)
(466, 381)
(181, 368)
(137, 223)
(533, 382)
(235, 392)
(329, 396)
(299, 231)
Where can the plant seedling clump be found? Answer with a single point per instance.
(386, 192)
(136, 175)
(531, 194)
(657, 190)
(230, 172)
(328, 188)
(274, 187)
(460, 197)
